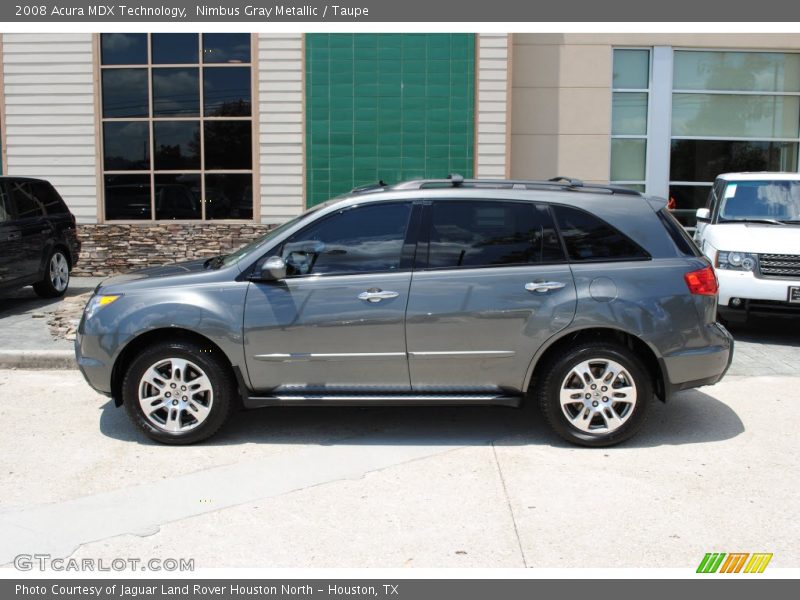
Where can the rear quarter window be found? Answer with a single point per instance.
(589, 238)
(678, 234)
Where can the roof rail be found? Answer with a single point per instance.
(370, 187)
(556, 183)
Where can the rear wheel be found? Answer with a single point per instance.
(56, 276)
(596, 394)
(178, 393)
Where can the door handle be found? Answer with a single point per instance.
(376, 295)
(544, 286)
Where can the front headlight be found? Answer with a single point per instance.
(736, 261)
(98, 301)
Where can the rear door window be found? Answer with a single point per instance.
(490, 233)
(589, 238)
(25, 201)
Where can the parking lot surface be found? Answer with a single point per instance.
(716, 469)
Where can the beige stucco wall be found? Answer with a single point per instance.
(561, 95)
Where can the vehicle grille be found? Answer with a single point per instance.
(779, 265)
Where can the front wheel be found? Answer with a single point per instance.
(178, 393)
(596, 394)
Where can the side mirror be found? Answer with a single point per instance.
(273, 269)
(703, 215)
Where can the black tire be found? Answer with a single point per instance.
(210, 363)
(554, 376)
(46, 288)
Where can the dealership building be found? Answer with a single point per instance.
(169, 146)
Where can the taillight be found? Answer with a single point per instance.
(702, 282)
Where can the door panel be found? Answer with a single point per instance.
(33, 227)
(478, 329)
(315, 334)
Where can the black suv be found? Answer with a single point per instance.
(38, 240)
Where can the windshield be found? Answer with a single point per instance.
(765, 200)
(239, 254)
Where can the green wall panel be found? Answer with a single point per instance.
(387, 106)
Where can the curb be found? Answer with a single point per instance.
(37, 359)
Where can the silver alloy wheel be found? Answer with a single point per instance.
(59, 272)
(598, 395)
(175, 395)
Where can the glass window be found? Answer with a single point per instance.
(631, 69)
(629, 114)
(26, 203)
(127, 197)
(176, 145)
(126, 145)
(629, 111)
(51, 201)
(628, 159)
(226, 91)
(682, 241)
(164, 156)
(226, 48)
(229, 196)
(486, 233)
(734, 71)
(589, 238)
(767, 199)
(228, 144)
(125, 93)
(176, 92)
(729, 115)
(356, 240)
(178, 196)
(175, 48)
(5, 204)
(123, 48)
(688, 198)
(703, 160)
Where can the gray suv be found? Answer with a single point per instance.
(589, 300)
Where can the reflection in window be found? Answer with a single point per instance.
(176, 145)
(179, 145)
(123, 48)
(226, 48)
(175, 48)
(703, 160)
(127, 197)
(125, 93)
(229, 196)
(361, 239)
(478, 234)
(176, 92)
(177, 196)
(126, 145)
(226, 91)
(228, 145)
(589, 238)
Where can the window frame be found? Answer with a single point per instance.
(253, 119)
(422, 261)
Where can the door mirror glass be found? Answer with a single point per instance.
(703, 215)
(273, 269)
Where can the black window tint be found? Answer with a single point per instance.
(126, 145)
(125, 93)
(27, 204)
(47, 195)
(228, 144)
(177, 145)
(176, 92)
(229, 196)
(482, 233)
(127, 197)
(226, 91)
(355, 240)
(226, 47)
(678, 234)
(178, 196)
(589, 238)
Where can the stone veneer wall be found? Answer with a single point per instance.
(111, 249)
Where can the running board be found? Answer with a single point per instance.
(310, 399)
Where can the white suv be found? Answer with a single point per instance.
(750, 231)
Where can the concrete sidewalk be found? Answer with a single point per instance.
(27, 340)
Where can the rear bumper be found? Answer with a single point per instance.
(699, 366)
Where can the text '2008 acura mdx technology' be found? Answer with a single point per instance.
(589, 300)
